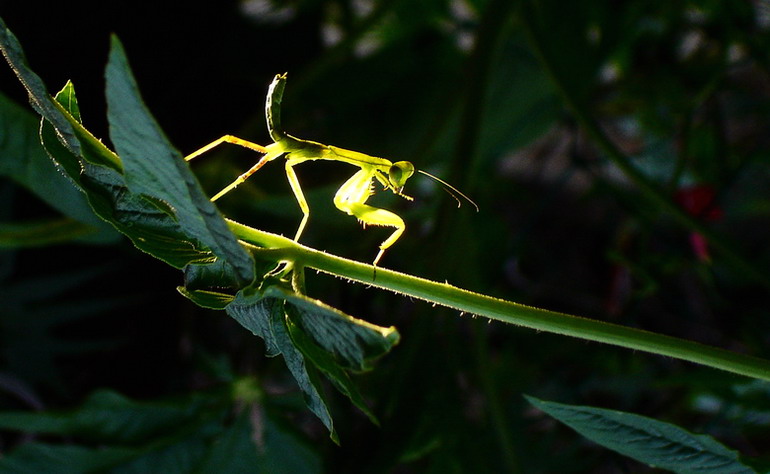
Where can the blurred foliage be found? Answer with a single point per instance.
(475, 92)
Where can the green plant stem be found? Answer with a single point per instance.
(647, 187)
(497, 309)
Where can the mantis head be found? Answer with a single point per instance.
(398, 173)
(401, 171)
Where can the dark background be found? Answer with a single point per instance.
(472, 91)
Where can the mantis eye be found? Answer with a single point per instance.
(399, 173)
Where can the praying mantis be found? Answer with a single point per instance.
(352, 195)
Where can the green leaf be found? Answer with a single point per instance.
(304, 331)
(266, 318)
(326, 363)
(42, 233)
(206, 298)
(149, 225)
(144, 437)
(646, 440)
(23, 159)
(109, 417)
(172, 436)
(211, 286)
(40, 457)
(38, 94)
(273, 450)
(178, 452)
(216, 276)
(96, 170)
(168, 229)
(154, 168)
(33, 321)
(66, 160)
(177, 458)
(355, 343)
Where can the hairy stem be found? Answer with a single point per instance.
(509, 312)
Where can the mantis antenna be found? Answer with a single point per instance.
(451, 190)
(352, 195)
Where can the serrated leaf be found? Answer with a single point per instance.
(178, 458)
(109, 417)
(175, 454)
(32, 319)
(284, 453)
(646, 440)
(42, 233)
(61, 459)
(76, 150)
(327, 364)
(266, 318)
(38, 94)
(310, 332)
(175, 436)
(277, 451)
(154, 168)
(66, 97)
(153, 224)
(216, 276)
(255, 313)
(68, 129)
(23, 159)
(148, 226)
(206, 298)
(355, 343)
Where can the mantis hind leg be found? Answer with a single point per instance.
(226, 139)
(271, 152)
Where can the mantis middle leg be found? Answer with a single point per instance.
(298, 194)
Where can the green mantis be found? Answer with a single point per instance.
(352, 195)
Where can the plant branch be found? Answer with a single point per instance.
(509, 312)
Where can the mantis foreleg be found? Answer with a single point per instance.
(351, 199)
